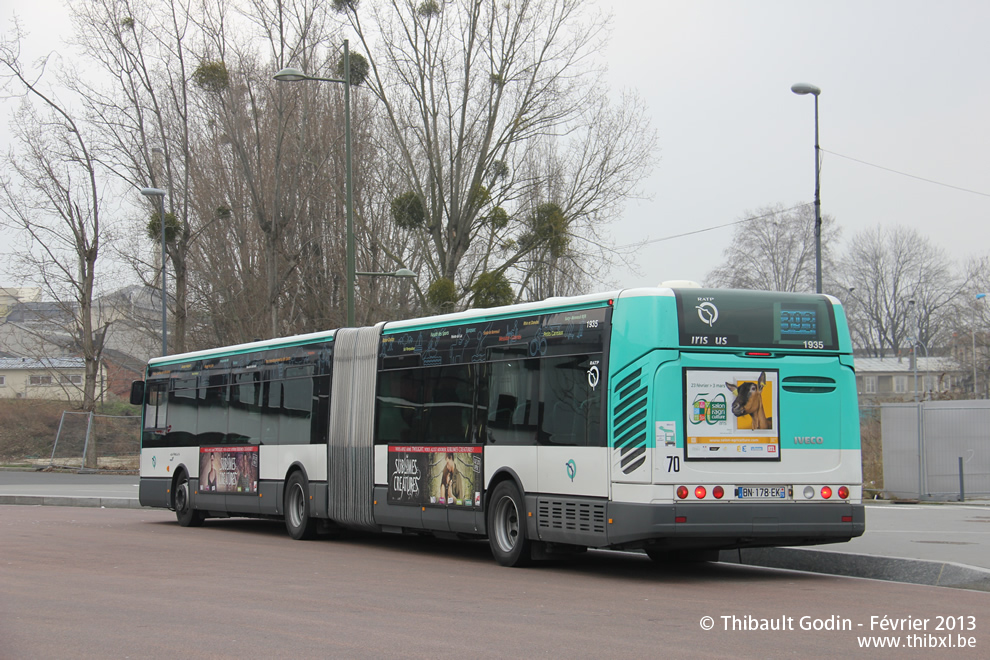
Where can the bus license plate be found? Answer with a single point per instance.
(761, 492)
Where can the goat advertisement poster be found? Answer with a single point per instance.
(731, 415)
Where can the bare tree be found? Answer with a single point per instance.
(885, 270)
(285, 160)
(469, 90)
(55, 201)
(773, 249)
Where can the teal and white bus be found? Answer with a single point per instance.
(678, 421)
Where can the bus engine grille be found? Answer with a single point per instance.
(629, 418)
(571, 515)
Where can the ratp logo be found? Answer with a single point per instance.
(154, 461)
(708, 313)
(571, 469)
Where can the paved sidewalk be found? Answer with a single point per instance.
(944, 544)
(69, 489)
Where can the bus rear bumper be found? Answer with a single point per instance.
(733, 524)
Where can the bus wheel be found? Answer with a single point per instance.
(184, 513)
(507, 526)
(300, 525)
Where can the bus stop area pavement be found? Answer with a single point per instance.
(937, 544)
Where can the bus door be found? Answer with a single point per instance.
(571, 453)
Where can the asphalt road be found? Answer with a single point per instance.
(87, 582)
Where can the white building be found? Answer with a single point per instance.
(45, 378)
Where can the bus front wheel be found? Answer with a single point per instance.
(298, 521)
(184, 512)
(507, 526)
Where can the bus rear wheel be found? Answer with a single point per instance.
(184, 512)
(298, 520)
(507, 526)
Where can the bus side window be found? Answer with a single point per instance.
(181, 420)
(399, 407)
(244, 414)
(572, 405)
(155, 406)
(480, 402)
(513, 406)
(211, 410)
(271, 411)
(450, 393)
(297, 411)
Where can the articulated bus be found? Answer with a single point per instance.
(677, 421)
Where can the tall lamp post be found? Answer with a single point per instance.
(805, 88)
(160, 194)
(979, 296)
(295, 75)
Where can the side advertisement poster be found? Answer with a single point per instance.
(228, 470)
(731, 415)
(435, 476)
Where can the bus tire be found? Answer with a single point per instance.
(184, 512)
(298, 521)
(507, 526)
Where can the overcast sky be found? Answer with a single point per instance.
(904, 86)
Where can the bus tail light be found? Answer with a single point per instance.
(718, 492)
(826, 492)
(682, 492)
(843, 493)
(700, 492)
(809, 492)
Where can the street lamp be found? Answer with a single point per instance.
(979, 296)
(805, 88)
(402, 272)
(295, 75)
(160, 194)
(919, 418)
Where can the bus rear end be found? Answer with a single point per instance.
(734, 422)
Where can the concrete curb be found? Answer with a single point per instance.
(52, 500)
(891, 569)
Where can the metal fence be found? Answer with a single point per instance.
(113, 441)
(936, 450)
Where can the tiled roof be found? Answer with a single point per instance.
(892, 364)
(48, 364)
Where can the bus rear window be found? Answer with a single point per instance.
(718, 318)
